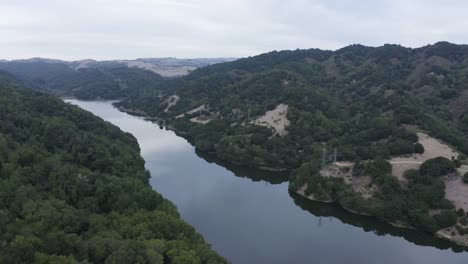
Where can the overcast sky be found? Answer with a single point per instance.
(126, 29)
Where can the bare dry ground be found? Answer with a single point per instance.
(457, 238)
(455, 189)
(201, 119)
(433, 148)
(171, 101)
(360, 184)
(301, 192)
(276, 119)
(457, 192)
(193, 111)
(165, 71)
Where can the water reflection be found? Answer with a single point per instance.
(243, 171)
(370, 224)
(250, 217)
(324, 210)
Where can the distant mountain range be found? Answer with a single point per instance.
(166, 67)
(101, 79)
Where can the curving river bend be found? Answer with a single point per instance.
(250, 217)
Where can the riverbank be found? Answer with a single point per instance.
(443, 234)
(186, 136)
(161, 122)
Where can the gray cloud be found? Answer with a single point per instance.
(118, 29)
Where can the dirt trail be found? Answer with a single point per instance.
(201, 119)
(171, 101)
(433, 148)
(193, 111)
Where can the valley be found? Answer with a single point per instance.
(380, 132)
(383, 110)
(250, 216)
(243, 132)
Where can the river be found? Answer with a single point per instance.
(250, 217)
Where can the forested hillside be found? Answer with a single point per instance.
(303, 110)
(73, 189)
(355, 99)
(59, 77)
(90, 79)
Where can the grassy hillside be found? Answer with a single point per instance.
(73, 189)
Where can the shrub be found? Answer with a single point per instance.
(418, 148)
(446, 218)
(437, 167)
(465, 179)
(462, 231)
(358, 169)
(464, 221)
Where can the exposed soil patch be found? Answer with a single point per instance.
(433, 148)
(302, 190)
(201, 119)
(360, 184)
(171, 101)
(165, 71)
(457, 192)
(193, 111)
(276, 119)
(457, 238)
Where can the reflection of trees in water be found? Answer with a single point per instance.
(333, 211)
(370, 224)
(245, 172)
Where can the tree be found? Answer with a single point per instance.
(64, 200)
(418, 148)
(358, 168)
(465, 178)
(437, 167)
(446, 218)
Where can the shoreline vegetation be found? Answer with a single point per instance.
(159, 121)
(397, 225)
(344, 124)
(74, 189)
(304, 110)
(299, 191)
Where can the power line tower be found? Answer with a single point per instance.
(334, 155)
(324, 156)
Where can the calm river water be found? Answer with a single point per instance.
(250, 217)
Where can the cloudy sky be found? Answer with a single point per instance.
(126, 29)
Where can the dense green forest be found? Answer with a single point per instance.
(356, 99)
(112, 81)
(73, 189)
(365, 102)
